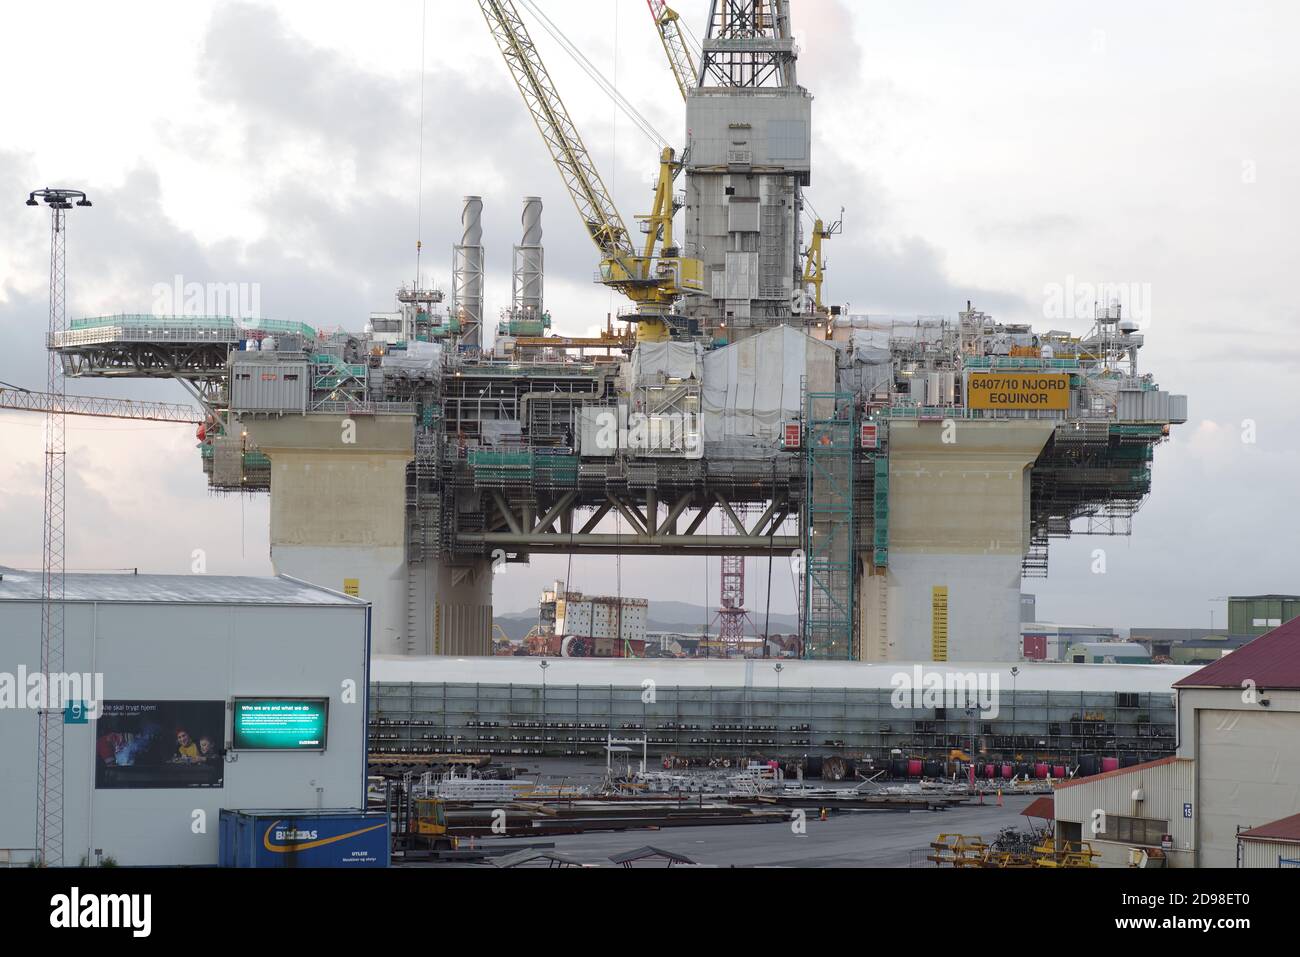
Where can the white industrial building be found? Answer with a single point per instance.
(148, 761)
(1271, 845)
(1136, 806)
(758, 673)
(1237, 769)
(593, 616)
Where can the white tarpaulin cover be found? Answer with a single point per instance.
(871, 366)
(653, 363)
(419, 357)
(753, 387)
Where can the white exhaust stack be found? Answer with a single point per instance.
(467, 273)
(529, 264)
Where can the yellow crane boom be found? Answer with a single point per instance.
(653, 283)
(814, 273)
(680, 59)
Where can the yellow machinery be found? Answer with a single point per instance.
(680, 58)
(654, 282)
(961, 850)
(430, 821)
(814, 272)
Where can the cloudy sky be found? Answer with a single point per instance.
(984, 152)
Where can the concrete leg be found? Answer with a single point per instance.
(958, 522)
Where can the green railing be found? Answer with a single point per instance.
(1018, 362)
(880, 543)
(493, 468)
(265, 326)
(1137, 431)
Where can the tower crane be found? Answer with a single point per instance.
(24, 400)
(654, 277)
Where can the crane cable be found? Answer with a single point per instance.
(610, 90)
(419, 176)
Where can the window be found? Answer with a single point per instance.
(1126, 699)
(1134, 830)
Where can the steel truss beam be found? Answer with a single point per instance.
(549, 529)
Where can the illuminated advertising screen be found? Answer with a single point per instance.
(159, 744)
(279, 724)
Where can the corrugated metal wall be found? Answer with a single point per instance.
(1269, 854)
(1166, 788)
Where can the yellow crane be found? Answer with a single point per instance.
(814, 271)
(654, 277)
(680, 59)
(686, 72)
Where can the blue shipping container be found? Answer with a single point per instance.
(337, 838)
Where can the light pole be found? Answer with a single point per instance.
(1015, 672)
(544, 664)
(970, 713)
(49, 750)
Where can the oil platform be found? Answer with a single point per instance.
(914, 469)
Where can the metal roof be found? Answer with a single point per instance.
(762, 673)
(1287, 829)
(647, 853)
(527, 856)
(1111, 647)
(19, 585)
(1132, 769)
(1270, 661)
(1044, 807)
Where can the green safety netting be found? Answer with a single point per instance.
(263, 326)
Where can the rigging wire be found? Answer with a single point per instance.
(610, 89)
(419, 175)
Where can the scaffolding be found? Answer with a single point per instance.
(880, 536)
(830, 552)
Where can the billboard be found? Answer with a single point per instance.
(160, 744)
(279, 724)
(1018, 390)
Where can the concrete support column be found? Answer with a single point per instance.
(958, 531)
(338, 519)
(453, 609)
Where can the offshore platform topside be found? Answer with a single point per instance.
(913, 469)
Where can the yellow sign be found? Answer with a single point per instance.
(939, 622)
(1018, 390)
(352, 586)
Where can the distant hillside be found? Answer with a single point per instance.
(664, 616)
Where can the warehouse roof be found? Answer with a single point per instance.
(1044, 807)
(1132, 769)
(1115, 648)
(1270, 661)
(1287, 829)
(19, 585)
(762, 673)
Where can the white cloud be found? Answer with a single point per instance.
(980, 152)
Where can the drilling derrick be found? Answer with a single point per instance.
(749, 148)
